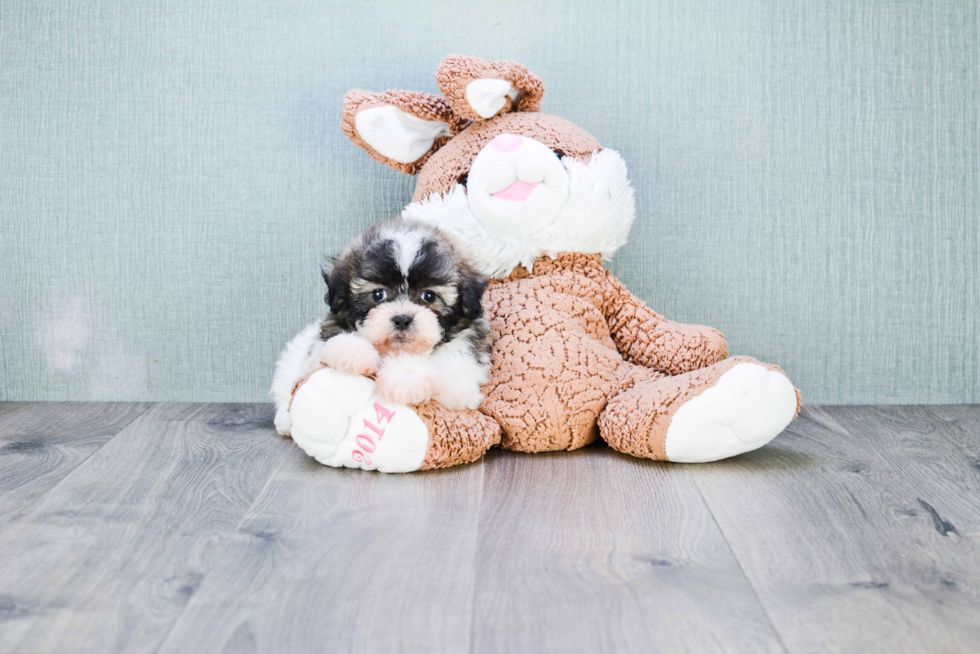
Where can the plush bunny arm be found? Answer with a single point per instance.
(648, 339)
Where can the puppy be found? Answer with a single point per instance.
(404, 307)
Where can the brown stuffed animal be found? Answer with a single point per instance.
(539, 204)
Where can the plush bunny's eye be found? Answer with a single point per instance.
(465, 177)
(559, 153)
(379, 295)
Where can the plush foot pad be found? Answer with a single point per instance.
(340, 421)
(746, 408)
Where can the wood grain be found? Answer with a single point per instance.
(108, 559)
(344, 561)
(936, 450)
(593, 551)
(195, 528)
(960, 425)
(42, 442)
(833, 525)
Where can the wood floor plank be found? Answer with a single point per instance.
(960, 425)
(593, 551)
(936, 450)
(108, 558)
(830, 525)
(344, 561)
(42, 442)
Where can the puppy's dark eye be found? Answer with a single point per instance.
(379, 295)
(428, 297)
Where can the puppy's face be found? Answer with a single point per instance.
(402, 286)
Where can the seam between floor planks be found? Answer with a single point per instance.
(738, 561)
(485, 464)
(267, 481)
(571, 536)
(908, 585)
(82, 463)
(476, 552)
(26, 510)
(221, 440)
(236, 530)
(400, 547)
(823, 468)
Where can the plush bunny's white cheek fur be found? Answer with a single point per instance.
(594, 218)
(398, 135)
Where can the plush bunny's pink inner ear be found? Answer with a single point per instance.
(401, 129)
(478, 89)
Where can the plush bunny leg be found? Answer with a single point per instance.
(722, 410)
(456, 436)
(340, 421)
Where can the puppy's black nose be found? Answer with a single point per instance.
(402, 322)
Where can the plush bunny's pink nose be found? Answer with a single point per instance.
(506, 142)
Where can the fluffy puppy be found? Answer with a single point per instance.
(405, 308)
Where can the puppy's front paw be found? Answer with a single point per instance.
(350, 353)
(404, 380)
(459, 398)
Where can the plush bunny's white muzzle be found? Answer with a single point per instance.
(517, 186)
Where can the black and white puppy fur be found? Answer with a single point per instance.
(404, 307)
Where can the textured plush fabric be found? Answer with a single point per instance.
(456, 71)
(456, 437)
(647, 339)
(172, 174)
(421, 105)
(636, 420)
(564, 335)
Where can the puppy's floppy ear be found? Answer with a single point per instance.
(401, 129)
(478, 89)
(471, 287)
(337, 277)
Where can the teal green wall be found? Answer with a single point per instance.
(171, 173)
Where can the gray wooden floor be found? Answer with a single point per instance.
(194, 528)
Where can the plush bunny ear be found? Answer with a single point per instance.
(478, 89)
(398, 128)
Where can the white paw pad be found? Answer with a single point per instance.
(340, 421)
(746, 408)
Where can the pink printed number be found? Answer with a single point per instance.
(366, 441)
